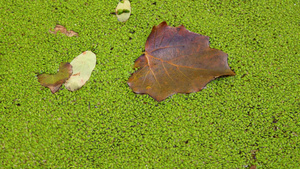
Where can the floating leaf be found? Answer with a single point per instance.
(62, 29)
(176, 61)
(123, 11)
(82, 65)
(53, 82)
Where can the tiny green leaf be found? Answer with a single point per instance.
(120, 11)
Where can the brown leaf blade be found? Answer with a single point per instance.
(177, 61)
(62, 29)
(53, 82)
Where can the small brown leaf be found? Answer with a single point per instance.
(53, 82)
(177, 61)
(63, 30)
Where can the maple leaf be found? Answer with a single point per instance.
(62, 29)
(53, 82)
(176, 61)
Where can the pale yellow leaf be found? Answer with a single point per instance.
(82, 65)
(123, 11)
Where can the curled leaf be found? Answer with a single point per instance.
(62, 29)
(53, 82)
(177, 61)
(123, 11)
(82, 65)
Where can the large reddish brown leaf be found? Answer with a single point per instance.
(176, 61)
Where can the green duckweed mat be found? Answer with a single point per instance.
(235, 122)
